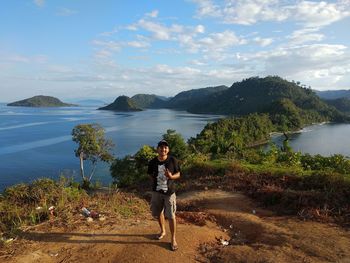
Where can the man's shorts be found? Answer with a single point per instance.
(160, 202)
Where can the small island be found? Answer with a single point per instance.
(41, 101)
(122, 103)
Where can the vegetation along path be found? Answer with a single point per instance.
(214, 226)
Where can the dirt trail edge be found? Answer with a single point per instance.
(234, 229)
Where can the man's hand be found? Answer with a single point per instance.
(171, 176)
(168, 174)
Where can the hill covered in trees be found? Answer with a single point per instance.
(146, 101)
(40, 101)
(341, 104)
(186, 99)
(289, 105)
(122, 103)
(333, 94)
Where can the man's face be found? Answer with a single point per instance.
(163, 150)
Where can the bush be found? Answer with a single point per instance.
(125, 172)
(337, 163)
(25, 204)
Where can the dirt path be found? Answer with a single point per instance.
(253, 235)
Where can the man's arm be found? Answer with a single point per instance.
(172, 176)
(150, 170)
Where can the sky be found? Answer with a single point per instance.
(101, 49)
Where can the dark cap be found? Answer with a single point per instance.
(163, 142)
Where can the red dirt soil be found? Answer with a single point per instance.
(216, 226)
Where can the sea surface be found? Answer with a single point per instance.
(37, 142)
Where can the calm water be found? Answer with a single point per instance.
(325, 139)
(36, 142)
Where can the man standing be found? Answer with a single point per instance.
(164, 169)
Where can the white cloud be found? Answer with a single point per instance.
(318, 64)
(249, 12)
(138, 44)
(216, 46)
(200, 29)
(207, 8)
(39, 3)
(159, 31)
(263, 41)
(131, 27)
(196, 62)
(110, 45)
(320, 13)
(38, 59)
(305, 35)
(65, 12)
(103, 53)
(153, 14)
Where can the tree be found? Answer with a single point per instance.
(92, 146)
(143, 156)
(132, 170)
(177, 144)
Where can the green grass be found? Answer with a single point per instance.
(25, 205)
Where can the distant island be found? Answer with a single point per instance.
(290, 105)
(41, 101)
(122, 103)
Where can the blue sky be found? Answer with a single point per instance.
(106, 48)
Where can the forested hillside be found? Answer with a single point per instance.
(122, 103)
(40, 101)
(146, 101)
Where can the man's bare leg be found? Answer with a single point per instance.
(161, 221)
(172, 226)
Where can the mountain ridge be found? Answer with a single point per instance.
(122, 103)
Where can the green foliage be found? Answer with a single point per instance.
(144, 155)
(256, 95)
(276, 156)
(92, 146)
(131, 170)
(177, 144)
(337, 163)
(187, 100)
(28, 203)
(285, 115)
(40, 101)
(126, 172)
(122, 103)
(341, 104)
(145, 101)
(200, 168)
(232, 135)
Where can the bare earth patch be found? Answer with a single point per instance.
(214, 226)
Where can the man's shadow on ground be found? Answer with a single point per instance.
(71, 238)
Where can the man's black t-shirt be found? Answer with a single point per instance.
(157, 168)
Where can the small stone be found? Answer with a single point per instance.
(224, 242)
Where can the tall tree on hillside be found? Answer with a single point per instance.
(92, 146)
(177, 144)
